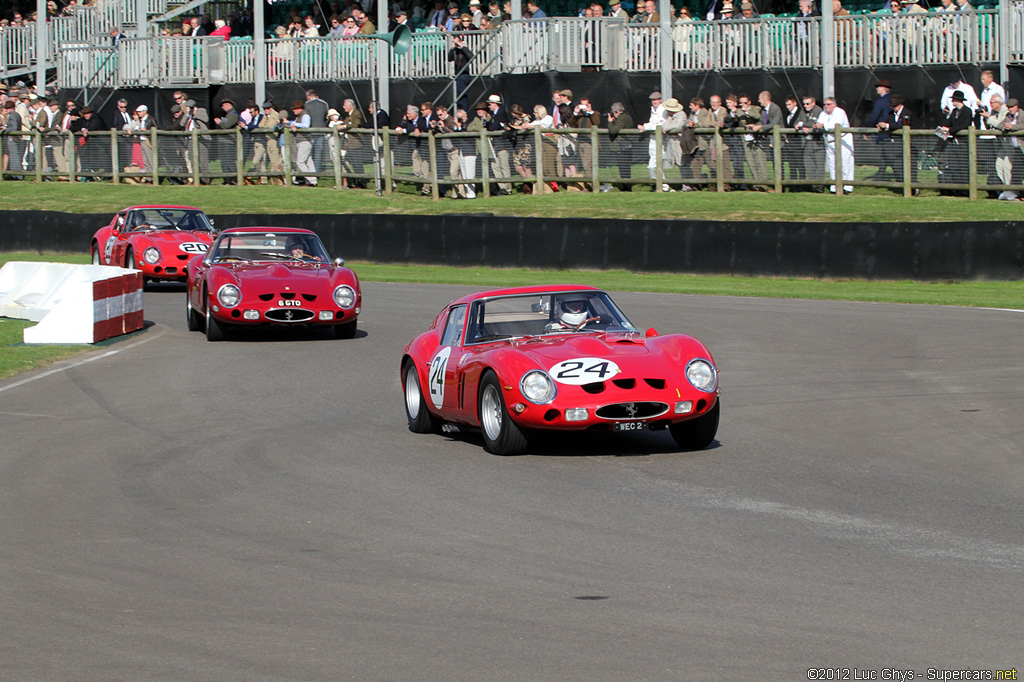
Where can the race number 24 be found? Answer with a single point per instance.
(580, 371)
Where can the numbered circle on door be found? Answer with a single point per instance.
(435, 379)
(579, 371)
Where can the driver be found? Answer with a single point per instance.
(572, 314)
(296, 248)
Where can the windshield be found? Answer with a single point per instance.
(168, 219)
(269, 246)
(533, 315)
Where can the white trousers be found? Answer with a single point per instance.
(830, 162)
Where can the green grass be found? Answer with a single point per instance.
(866, 205)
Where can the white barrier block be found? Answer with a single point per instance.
(72, 303)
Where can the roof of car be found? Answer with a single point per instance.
(135, 208)
(514, 291)
(278, 230)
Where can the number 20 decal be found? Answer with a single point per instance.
(194, 247)
(436, 377)
(579, 371)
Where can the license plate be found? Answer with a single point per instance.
(629, 426)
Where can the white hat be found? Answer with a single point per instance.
(142, 107)
(495, 99)
(333, 112)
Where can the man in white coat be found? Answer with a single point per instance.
(832, 116)
(657, 118)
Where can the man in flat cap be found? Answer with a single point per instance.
(226, 144)
(657, 118)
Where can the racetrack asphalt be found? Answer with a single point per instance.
(256, 510)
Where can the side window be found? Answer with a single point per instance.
(453, 327)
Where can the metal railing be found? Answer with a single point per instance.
(479, 164)
(570, 44)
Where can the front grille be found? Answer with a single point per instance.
(644, 410)
(289, 315)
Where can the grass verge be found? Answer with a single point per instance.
(866, 205)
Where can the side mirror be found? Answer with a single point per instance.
(651, 332)
(339, 262)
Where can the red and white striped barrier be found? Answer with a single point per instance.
(72, 303)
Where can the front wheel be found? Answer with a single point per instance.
(501, 435)
(420, 418)
(697, 434)
(96, 254)
(129, 260)
(214, 329)
(345, 331)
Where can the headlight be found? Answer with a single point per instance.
(152, 255)
(702, 375)
(229, 295)
(345, 296)
(537, 387)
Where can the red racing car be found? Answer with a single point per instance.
(529, 359)
(280, 276)
(158, 240)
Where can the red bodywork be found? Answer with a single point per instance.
(112, 244)
(278, 293)
(652, 370)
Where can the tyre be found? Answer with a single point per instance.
(697, 434)
(129, 260)
(96, 254)
(420, 418)
(345, 331)
(501, 435)
(192, 316)
(214, 329)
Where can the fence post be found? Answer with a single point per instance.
(3, 144)
(972, 162)
(432, 148)
(388, 169)
(595, 159)
(908, 162)
(155, 155)
(719, 161)
(115, 161)
(485, 146)
(336, 159)
(538, 140)
(286, 155)
(194, 151)
(659, 172)
(777, 157)
(837, 140)
(239, 158)
(40, 155)
(72, 158)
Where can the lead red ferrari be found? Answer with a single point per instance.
(517, 362)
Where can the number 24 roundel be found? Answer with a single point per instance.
(579, 371)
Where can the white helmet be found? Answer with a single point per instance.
(573, 311)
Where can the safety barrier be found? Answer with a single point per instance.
(71, 303)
